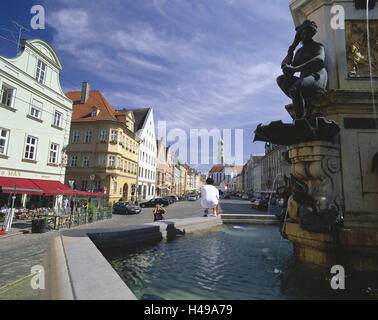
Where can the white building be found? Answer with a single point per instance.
(35, 118)
(145, 131)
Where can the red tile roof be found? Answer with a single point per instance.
(216, 168)
(82, 112)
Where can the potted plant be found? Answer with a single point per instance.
(110, 208)
(101, 211)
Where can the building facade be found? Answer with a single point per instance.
(273, 168)
(103, 147)
(256, 183)
(163, 169)
(145, 131)
(35, 116)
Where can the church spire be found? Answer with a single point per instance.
(220, 158)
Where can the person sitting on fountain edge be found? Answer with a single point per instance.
(210, 197)
(158, 212)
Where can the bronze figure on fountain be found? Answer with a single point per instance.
(309, 61)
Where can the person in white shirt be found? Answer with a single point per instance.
(210, 197)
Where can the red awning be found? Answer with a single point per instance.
(39, 187)
(19, 186)
(52, 187)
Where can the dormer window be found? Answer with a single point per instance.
(41, 72)
(94, 112)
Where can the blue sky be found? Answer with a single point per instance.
(198, 63)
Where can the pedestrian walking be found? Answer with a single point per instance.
(210, 197)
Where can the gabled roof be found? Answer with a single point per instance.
(82, 112)
(257, 159)
(216, 169)
(140, 117)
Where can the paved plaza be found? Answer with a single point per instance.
(20, 252)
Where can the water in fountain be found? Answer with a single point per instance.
(276, 270)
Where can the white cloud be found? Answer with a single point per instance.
(193, 62)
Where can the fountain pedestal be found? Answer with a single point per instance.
(342, 171)
(353, 248)
(317, 164)
(345, 170)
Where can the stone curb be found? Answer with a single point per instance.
(76, 269)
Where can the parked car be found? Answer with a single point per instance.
(281, 202)
(260, 204)
(192, 197)
(125, 207)
(170, 200)
(154, 202)
(245, 197)
(173, 198)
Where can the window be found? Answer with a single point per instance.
(76, 137)
(97, 185)
(101, 160)
(85, 162)
(74, 161)
(41, 72)
(84, 185)
(58, 117)
(88, 137)
(53, 155)
(4, 136)
(111, 162)
(127, 143)
(113, 137)
(30, 148)
(104, 135)
(36, 109)
(115, 187)
(35, 113)
(7, 95)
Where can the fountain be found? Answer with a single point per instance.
(331, 197)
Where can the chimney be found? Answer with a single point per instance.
(84, 92)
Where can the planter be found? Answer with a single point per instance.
(39, 225)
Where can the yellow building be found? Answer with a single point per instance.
(103, 148)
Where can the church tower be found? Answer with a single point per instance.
(220, 159)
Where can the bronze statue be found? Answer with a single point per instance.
(309, 61)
